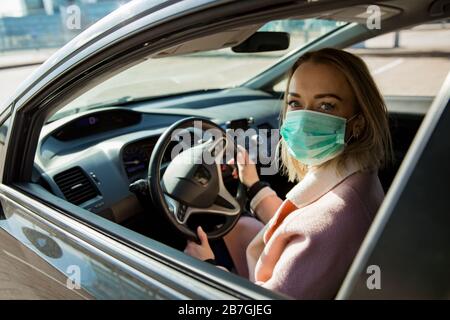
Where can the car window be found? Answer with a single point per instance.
(214, 69)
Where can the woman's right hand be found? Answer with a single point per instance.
(247, 168)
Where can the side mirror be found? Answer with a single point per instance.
(263, 41)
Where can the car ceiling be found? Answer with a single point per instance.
(236, 36)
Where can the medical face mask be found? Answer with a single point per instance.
(314, 137)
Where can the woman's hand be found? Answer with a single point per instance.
(200, 251)
(247, 168)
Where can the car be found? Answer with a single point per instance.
(85, 141)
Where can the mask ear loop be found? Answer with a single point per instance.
(349, 140)
(354, 116)
(352, 136)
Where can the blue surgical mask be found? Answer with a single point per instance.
(314, 137)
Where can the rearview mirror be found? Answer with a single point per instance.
(264, 41)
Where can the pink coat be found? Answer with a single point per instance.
(307, 247)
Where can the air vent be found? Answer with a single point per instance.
(75, 185)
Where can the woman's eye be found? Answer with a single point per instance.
(294, 104)
(326, 106)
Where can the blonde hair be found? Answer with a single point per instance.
(373, 147)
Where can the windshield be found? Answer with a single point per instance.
(214, 69)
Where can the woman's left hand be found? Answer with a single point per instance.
(200, 251)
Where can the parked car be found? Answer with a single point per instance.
(95, 118)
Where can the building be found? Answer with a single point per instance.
(34, 24)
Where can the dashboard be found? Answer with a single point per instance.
(91, 158)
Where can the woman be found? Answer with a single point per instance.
(335, 137)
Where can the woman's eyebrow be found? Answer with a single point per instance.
(325, 95)
(318, 96)
(294, 94)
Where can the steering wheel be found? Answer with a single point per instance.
(192, 183)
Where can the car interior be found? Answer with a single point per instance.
(95, 151)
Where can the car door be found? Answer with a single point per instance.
(23, 273)
(43, 260)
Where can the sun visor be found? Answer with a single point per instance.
(215, 41)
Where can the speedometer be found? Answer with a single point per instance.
(136, 156)
(135, 159)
